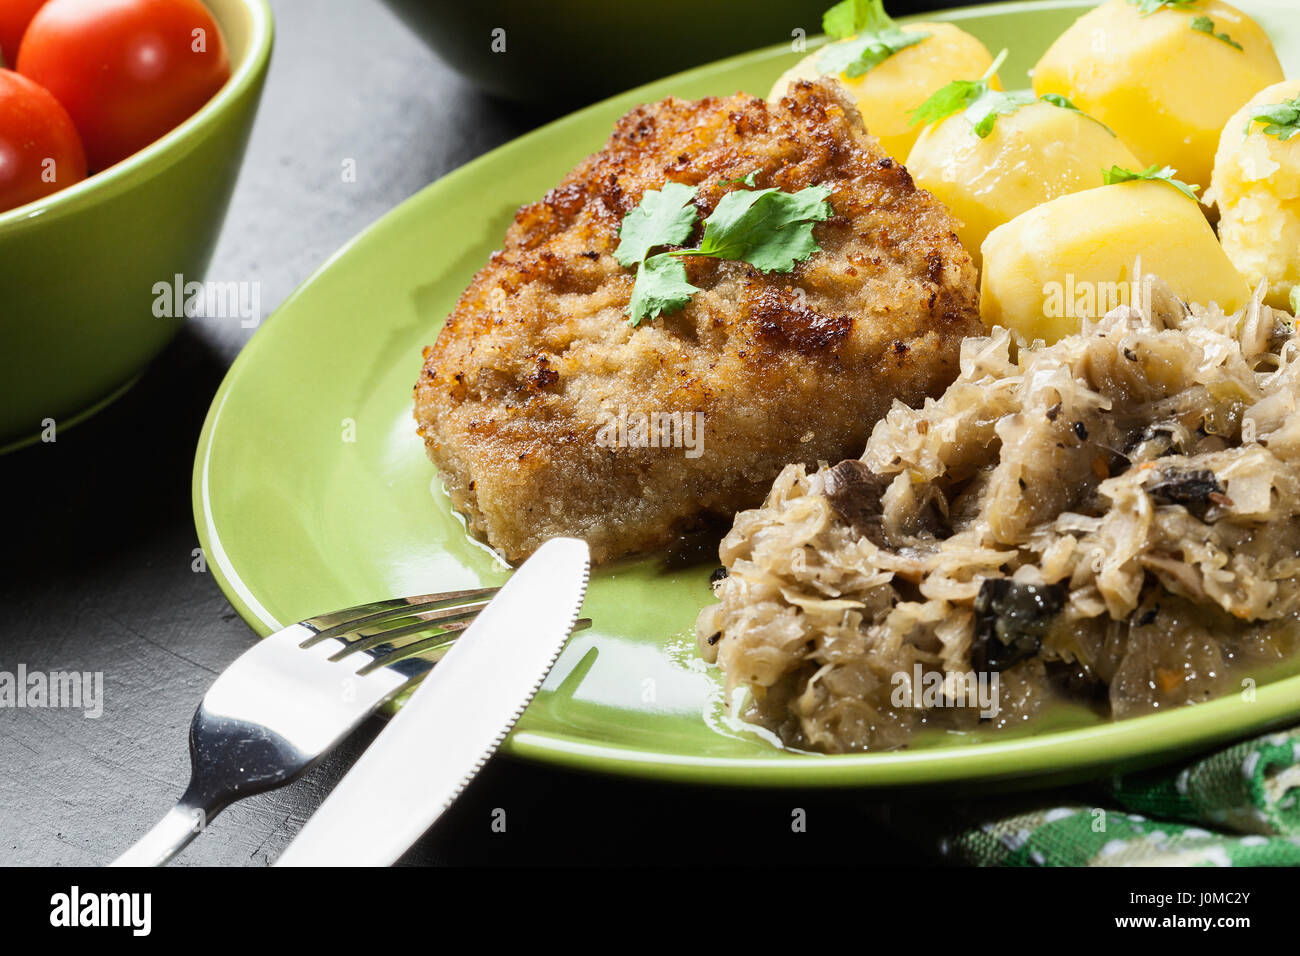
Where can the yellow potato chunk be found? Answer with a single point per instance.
(1166, 88)
(1035, 154)
(1073, 258)
(888, 93)
(1256, 184)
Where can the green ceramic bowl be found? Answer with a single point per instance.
(78, 268)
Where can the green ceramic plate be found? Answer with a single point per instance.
(312, 491)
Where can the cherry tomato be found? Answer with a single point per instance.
(39, 149)
(14, 17)
(127, 71)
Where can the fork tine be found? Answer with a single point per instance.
(387, 657)
(374, 641)
(415, 649)
(337, 623)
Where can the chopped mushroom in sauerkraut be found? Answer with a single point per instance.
(1113, 519)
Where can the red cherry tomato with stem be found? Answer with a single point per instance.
(127, 71)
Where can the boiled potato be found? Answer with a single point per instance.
(1037, 153)
(887, 94)
(1165, 88)
(1256, 184)
(1073, 258)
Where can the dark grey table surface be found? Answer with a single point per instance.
(98, 535)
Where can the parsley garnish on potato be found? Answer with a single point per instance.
(1164, 174)
(1282, 119)
(1206, 25)
(851, 17)
(947, 100)
(1056, 99)
(869, 36)
(989, 105)
(983, 104)
(768, 228)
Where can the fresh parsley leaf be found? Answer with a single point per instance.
(1056, 99)
(865, 52)
(868, 37)
(1148, 7)
(991, 104)
(663, 218)
(956, 96)
(745, 180)
(661, 287)
(852, 17)
(983, 104)
(947, 100)
(1165, 174)
(1282, 119)
(1206, 25)
(768, 228)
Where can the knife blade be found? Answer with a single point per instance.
(454, 721)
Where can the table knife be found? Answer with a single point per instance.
(454, 721)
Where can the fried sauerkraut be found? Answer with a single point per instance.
(1111, 520)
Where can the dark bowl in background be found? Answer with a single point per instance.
(570, 52)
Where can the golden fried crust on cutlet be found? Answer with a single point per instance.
(785, 368)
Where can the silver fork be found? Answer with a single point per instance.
(288, 699)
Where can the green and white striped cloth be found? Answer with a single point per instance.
(1237, 807)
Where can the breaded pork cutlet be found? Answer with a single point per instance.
(539, 353)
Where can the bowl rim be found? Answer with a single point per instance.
(116, 178)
